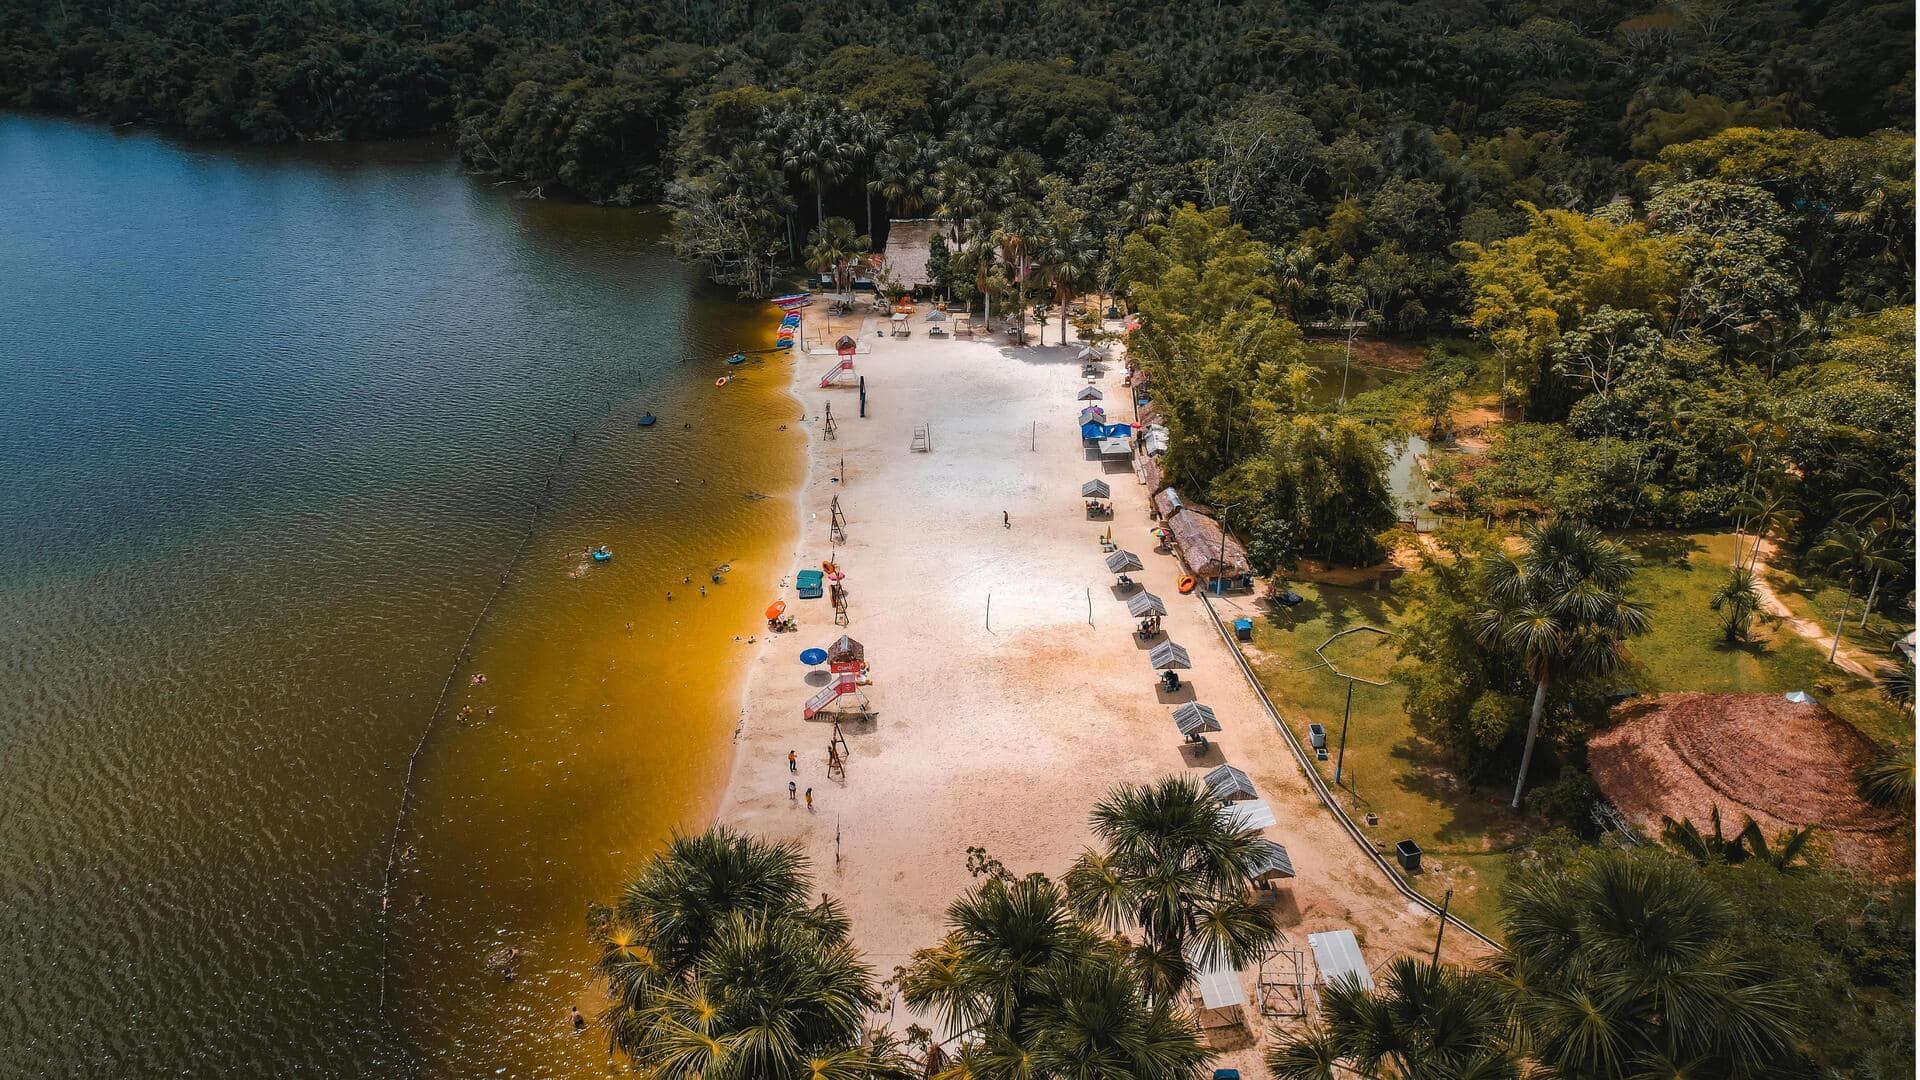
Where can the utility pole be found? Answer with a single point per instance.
(1218, 588)
(1445, 903)
(1341, 762)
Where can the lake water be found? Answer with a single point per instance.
(273, 427)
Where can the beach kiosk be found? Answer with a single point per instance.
(1229, 784)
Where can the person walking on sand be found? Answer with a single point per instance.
(809, 800)
(793, 791)
(1006, 520)
(793, 761)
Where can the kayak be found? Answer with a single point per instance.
(737, 358)
(602, 553)
(649, 420)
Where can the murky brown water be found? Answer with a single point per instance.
(272, 426)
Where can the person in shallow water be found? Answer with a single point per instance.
(579, 1022)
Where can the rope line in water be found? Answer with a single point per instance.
(461, 659)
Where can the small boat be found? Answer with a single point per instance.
(601, 553)
(794, 300)
(737, 358)
(649, 420)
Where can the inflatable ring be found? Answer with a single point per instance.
(1186, 584)
(721, 381)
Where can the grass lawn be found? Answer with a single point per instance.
(1389, 769)
(1676, 579)
(1405, 779)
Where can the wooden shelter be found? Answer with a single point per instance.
(1229, 784)
(905, 257)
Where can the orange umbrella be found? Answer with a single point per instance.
(778, 608)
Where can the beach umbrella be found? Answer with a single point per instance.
(776, 609)
(1166, 656)
(1144, 604)
(1090, 393)
(814, 657)
(1193, 718)
(1122, 561)
(1095, 489)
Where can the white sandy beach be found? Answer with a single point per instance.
(1002, 736)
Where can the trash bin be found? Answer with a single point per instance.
(1317, 736)
(1226, 1074)
(1243, 629)
(1409, 854)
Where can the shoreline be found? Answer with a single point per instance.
(1011, 691)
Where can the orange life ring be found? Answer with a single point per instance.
(722, 380)
(1186, 584)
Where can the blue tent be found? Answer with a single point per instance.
(1091, 431)
(1119, 431)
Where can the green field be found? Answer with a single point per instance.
(1394, 772)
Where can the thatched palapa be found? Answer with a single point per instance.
(905, 258)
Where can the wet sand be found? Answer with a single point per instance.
(1010, 688)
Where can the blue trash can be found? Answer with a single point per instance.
(1243, 629)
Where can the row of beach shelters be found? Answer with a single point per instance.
(1209, 552)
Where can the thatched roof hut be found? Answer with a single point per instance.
(906, 255)
(1207, 549)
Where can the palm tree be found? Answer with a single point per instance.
(1622, 965)
(1066, 259)
(1037, 992)
(1738, 598)
(817, 150)
(1889, 781)
(1016, 229)
(1686, 837)
(1561, 609)
(1880, 508)
(832, 248)
(1423, 1021)
(867, 135)
(1766, 515)
(1783, 852)
(1857, 553)
(1174, 870)
(1298, 270)
(903, 174)
(718, 969)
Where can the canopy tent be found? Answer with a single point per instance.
(1122, 561)
(1144, 604)
(1194, 717)
(1095, 489)
(1088, 352)
(936, 315)
(846, 651)
(1094, 412)
(1092, 430)
(1337, 955)
(1218, 983)
(1115, 447)
(1090, 393)
(1227, 782)
(1268, 861)
(1168, 655)
(1250, 814)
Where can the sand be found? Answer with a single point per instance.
(1010, 688)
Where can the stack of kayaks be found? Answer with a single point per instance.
(789, 327)
(794, 301)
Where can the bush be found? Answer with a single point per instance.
(1567, 801)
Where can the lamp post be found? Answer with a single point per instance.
(1340, 762)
